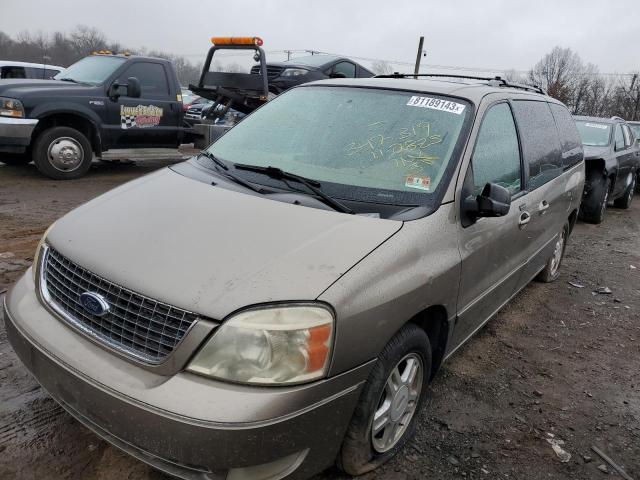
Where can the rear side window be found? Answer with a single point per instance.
(570, 141)
(496, 157)
(619, 137)
(540, 143)
(153, 79)
(628, 136)
(34, 72)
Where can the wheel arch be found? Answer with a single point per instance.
(74, 120)
(434, 321)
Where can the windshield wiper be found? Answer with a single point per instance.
(67, 79)
(221, 165)
(313, 185)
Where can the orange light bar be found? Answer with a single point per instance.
(237, 41)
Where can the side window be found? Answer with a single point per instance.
(540, 142)
(13, 72)
(346, 68)
(34, 72)
(619, 137)
(570, 142)
(152, 76)
(496, 157)
(628, 136)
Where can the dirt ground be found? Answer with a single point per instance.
(558, 360)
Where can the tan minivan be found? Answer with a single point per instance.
(281, 302)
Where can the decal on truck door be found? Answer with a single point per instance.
(142, 116)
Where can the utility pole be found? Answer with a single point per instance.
(288, 52)
(637, 103)
(417, 69)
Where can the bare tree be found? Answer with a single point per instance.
(86, 40)
(558, 73)
(381, 67)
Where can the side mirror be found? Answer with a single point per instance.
(132, 87)
(337, 75)
(493, 201)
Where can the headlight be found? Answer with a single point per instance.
(11, 108)
(269, 346)
(293, 72)
(36, 256)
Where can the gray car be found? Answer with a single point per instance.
(283, 300)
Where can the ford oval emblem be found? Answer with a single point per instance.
(94, 303)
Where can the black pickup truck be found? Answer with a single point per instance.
(101, 102)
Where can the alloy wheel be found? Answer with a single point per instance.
(398, 402)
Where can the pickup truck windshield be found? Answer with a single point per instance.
(594, 134)
(92, 70)
(363, 144)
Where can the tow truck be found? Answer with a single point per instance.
(108, 100)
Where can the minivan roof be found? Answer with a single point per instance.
(474, 90)
(12, 63)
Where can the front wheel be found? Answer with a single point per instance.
(627, 198)
(62, 153)
(385, 417)
(594, 206)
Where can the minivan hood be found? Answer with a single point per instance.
(591, 152)
(210, 250)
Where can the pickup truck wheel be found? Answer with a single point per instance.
(62, 153)
(14, 159)
(552, 268)
(385, 417)
(594, 206)
(627, 198)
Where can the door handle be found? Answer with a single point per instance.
(542, 207)
(525, 217)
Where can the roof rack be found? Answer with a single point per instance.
(493, 81)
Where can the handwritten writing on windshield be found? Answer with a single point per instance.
(408, 149)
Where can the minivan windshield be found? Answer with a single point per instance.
(93, 70)
(594, 134)
(363, 144)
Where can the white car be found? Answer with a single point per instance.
(13, 69)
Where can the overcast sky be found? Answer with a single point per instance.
(500, 34)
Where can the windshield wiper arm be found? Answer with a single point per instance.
(67, 79)
(312, 185)
(220, 164)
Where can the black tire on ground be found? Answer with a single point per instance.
(15, 159)
(357, 454)
(552, 269)
(627, 198)
(65, 140)
(594, 206)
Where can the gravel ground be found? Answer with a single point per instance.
(558, 360)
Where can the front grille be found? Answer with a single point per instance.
(140, 326)
(272, 71)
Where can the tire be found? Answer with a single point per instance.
(15, 159)
(594, 207)
(627, 198)
(363, 450)
(62, 153)
(552, 269)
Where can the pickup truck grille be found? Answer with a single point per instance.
(272, 71)
(134, 324)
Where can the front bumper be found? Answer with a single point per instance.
(15, 133)
(184, 425)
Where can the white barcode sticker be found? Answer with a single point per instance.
(436, 104)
